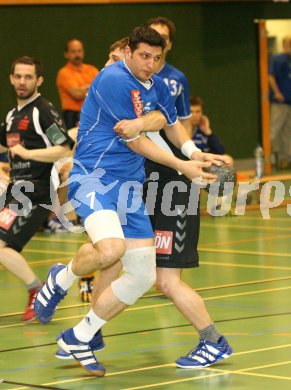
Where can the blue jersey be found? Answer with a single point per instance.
(116, 94)
(207, 143)
(179, 89)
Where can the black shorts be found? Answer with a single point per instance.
(176, 235)
(17, 230)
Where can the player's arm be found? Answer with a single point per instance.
(186, 123)
(79, 93)
(179, 137)
(46, 155)
(191, 169)
(274, 87)
(152, 121)
(68, 83)
(3, 149)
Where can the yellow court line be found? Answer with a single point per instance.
(246, 293)
(53, 239)
(240, 252)
(49, 252)
(219, 372)
(247, 240)
(251, 282)
(159, 305)
(243, 227)
(239, 265)
(265, 366)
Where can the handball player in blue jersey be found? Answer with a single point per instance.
(181, 231)
(124, 100)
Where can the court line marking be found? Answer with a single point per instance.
(243, 227)
(219, 373)
(244, 252)
(51, 240)
(147, 296)
(160, 305)
(239, 265)
(246, 240)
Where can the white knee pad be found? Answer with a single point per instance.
(139, 275)
(103, 224)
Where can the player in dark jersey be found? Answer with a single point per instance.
(177, 234)
(35, 136)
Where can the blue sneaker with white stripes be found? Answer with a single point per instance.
(81, 351)
(205, 354)
(49, 296)
(97, 344)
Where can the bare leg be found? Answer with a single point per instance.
(16, 264)
(104, 279)
(106, 305)
(101, 255)
(187, 301)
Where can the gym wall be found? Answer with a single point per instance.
(215, 45)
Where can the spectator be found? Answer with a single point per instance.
(73, 82)
(280, 97)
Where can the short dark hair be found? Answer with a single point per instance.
(166, 22)
(145, 34)
(28, 61)
(121, 44)
(196, 101)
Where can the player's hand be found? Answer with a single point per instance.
(4, 182)
(129, 128)
(19, 150)
(193, 170)
(204, 125)
(217, 159)
(279, 97)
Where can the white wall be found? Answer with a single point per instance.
(278, 28)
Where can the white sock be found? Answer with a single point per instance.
(86, 329)
(65, 278)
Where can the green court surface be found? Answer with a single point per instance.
(245, 279)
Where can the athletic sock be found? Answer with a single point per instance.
(210, 333)
(65, 278)
(37, 283)
(86, 329)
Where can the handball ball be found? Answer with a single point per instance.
(225, 182)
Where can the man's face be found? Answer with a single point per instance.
(163, 30)
(144, 61)
(25, 81)
(75, 53)
(197, 113)
(114, 56)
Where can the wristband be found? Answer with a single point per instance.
(131, 139)
(188, 148)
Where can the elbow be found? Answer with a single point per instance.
(163, 121)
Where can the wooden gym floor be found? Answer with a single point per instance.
(245, 279)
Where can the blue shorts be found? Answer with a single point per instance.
(98, 191)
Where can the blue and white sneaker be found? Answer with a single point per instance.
(81, 351)
(205, 354)
(97, 344)
(49, 296)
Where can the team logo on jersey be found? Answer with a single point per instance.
(12, 140)
(7, 217)
(137, 102)
(23, 123)
(163, 242)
